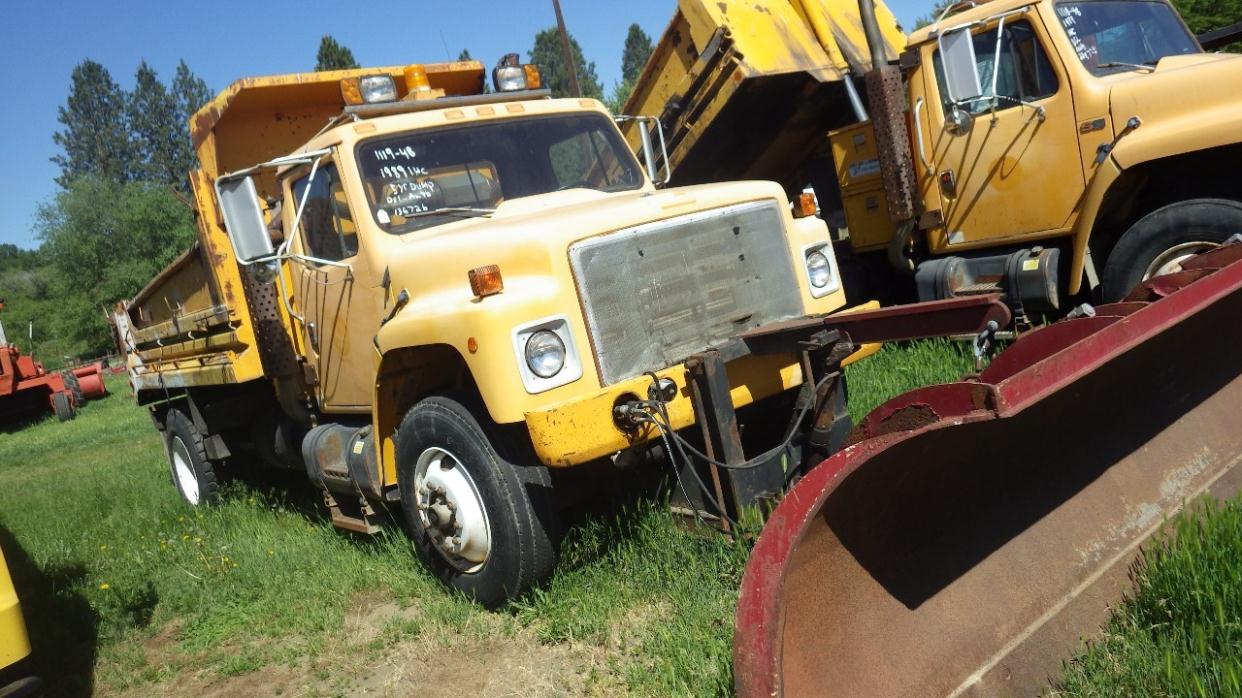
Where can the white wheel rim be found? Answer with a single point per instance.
(1170, 261)
(183, 472)
(451, 510)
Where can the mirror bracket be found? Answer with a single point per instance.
(647, 144)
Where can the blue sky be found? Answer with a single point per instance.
(43, 40)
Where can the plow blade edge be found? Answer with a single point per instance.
(976, 532)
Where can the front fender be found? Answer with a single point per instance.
(480, 331)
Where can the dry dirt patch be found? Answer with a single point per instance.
(387, 650)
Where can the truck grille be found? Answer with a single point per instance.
(656, 293)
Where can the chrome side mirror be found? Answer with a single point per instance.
(243, 218)
(961, 72)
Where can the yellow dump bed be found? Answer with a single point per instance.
(200, 321)
(748, 89)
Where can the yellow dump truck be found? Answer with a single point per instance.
(1041, 149)
(428, 295)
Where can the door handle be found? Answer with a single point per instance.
(918, 133)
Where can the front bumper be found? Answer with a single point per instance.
(583, 429)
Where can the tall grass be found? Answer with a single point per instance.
(1180, 634)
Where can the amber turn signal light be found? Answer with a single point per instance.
(486, 281)
(806, 206)
(533, 80)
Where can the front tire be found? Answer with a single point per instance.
(482, 524)
(1161, 240)
(192, 472)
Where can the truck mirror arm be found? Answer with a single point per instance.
(644, 130)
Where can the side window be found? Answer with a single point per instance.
(1023, 73)
(587, 159)
(328, 230)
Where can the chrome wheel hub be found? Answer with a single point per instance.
(1170, 261)
(451, 510)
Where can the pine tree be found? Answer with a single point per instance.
(637, 51)
(190, 93)
(95, 139)
(464, 55)
(550, 58)
(152, 114)
(333, 56)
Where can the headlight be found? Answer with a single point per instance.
(818, 269)
(377, 88)
(545, 353)
(509, 78)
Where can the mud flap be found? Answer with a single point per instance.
(976, 532)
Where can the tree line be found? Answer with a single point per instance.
(120, 215)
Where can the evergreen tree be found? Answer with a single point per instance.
(157, 137)
(550, 58)
(190, 93)
(333, 56)
(95, 139)
(637, 51)
(464, 55)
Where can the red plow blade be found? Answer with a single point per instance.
(975, 532)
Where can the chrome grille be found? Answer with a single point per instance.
(659, 292)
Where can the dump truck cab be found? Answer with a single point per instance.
(1066, 123)
(419, 292)
(1093, 156)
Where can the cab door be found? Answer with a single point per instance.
(332, 292)
(1010, 168)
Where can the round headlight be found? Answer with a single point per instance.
(819, 269)
(545, 353)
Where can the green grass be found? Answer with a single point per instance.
(124, 587)
(1180, 633)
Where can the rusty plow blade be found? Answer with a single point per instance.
(975, 532)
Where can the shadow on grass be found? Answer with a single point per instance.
(62, 625)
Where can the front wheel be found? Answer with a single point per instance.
(482, 524)
(1160, 241)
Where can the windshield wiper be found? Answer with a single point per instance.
(1149, 66)
(453, 210)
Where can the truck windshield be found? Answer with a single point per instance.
(425, 178)
(1115, 35)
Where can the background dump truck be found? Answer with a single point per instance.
(422, 294)
(1039, 149)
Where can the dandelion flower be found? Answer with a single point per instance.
(104, 585)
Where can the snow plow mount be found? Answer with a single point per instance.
(738, 482)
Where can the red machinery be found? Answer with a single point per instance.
(25, 387)
(971, 534)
